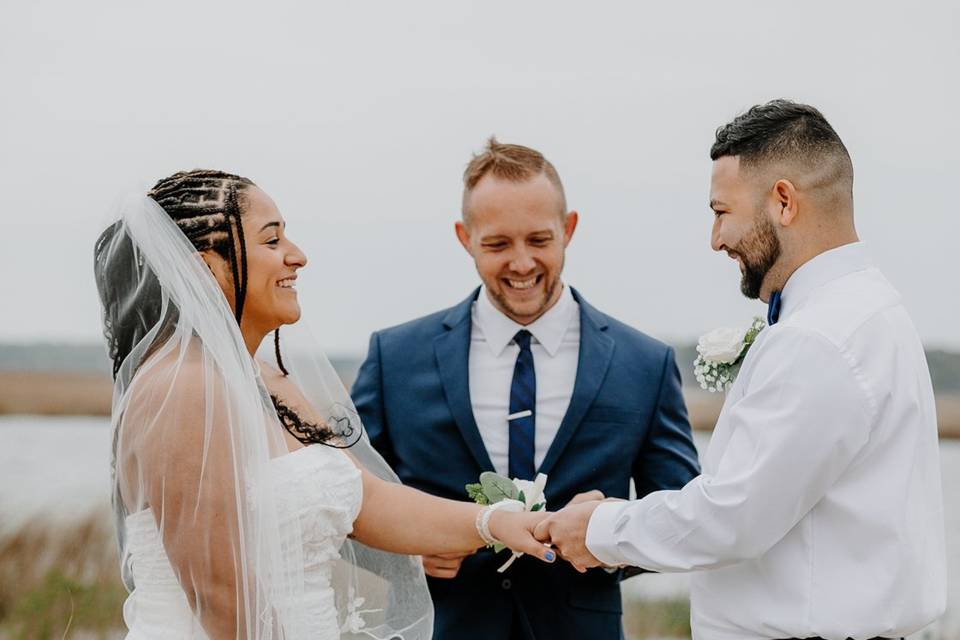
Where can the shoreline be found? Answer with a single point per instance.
(89, 394)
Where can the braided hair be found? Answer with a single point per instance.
(207, 206)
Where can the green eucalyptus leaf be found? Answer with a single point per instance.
(497, 488)
(475, 491)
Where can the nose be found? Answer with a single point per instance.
(716, 238)
(295, 257)
(522, 262)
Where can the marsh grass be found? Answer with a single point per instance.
(60, 581)
(667, 618)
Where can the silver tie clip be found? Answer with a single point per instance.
(519, 414)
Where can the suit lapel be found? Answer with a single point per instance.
(596, 350)
(452, 349)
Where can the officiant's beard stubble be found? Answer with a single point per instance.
(546, 300)
(759, 251)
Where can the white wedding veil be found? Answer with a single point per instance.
(194, 436)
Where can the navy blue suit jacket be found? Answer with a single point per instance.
(626, 419)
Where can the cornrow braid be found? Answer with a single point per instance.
(239, 268)
(205, 205)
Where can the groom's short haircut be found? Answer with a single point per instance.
(782, 132)
(512, 162)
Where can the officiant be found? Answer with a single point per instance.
(522, 377)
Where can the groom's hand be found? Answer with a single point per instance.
(587, 496)
(444, 565)
(567, 531)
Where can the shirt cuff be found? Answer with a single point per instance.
(601, 538)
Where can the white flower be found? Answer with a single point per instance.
(721, 346)
(719, 354)
(532, 491)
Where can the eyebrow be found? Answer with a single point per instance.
(268, 225)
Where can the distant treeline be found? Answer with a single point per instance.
(92, 358)
(49, 357)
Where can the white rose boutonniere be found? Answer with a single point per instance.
(720, 353)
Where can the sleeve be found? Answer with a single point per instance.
(367, 394)
(668, 459)
(802, 420)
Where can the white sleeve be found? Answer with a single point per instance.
(803, 418)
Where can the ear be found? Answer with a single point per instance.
(785, 197)
(463, 235)
(218, 267)
(569, 226)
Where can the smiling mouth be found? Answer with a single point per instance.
(522, 284)
(736, 258)
(287, 283)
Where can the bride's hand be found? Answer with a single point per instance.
(515, 530)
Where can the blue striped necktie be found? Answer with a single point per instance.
(523, 411)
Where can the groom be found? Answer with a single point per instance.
(523, 376)
(818, 514)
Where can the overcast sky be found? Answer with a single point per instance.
(358, 118)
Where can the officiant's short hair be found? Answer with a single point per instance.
(512, 162)
(783, 130)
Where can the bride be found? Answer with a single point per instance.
(249, 502)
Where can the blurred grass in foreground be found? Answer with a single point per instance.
(62, 581)
(665, 619)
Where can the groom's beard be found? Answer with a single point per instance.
(759, 251)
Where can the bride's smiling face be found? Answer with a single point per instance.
(272, 265)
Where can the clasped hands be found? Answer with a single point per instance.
(540, 534)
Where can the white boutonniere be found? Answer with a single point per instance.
(720, 354)
(517, 495)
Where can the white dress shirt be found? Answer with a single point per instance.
(493, 355)
(819, 510)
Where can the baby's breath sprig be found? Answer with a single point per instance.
(720, 354)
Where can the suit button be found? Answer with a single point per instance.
(506, 584)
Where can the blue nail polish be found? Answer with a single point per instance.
(550, 556)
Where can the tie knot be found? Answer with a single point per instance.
(523, 339)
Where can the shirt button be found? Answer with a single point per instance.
(506, 584)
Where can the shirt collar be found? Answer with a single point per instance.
(822, 269)
(548, 329)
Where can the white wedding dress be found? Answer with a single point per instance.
(319, 491)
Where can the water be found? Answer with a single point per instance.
(58, 468)
(55, 467)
